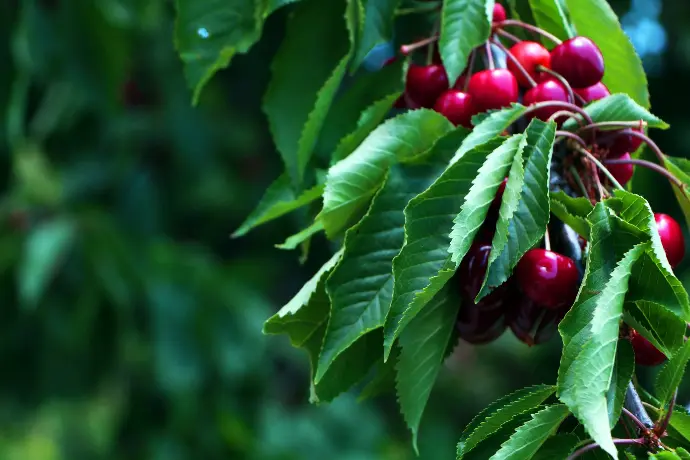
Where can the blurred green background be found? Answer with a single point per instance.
(130, 325)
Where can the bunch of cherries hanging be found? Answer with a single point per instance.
(554, 85)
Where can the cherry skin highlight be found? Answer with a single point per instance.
(593, 93)
(549, 90)
(457, 107)
(646, 354)
(493, 89)
(499, 13)
(548, 278)
(671, 238)
(425, 84)
(621, 172)
(529, 55)
(579, 61)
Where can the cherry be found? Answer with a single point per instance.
(620, 142)
(549, 90)
(646, 354)
(456, 106)
(529, 55)
(621, 172)
(493, 89)
(478, 326)
(548, 278)
(425, 84)
(579, 61)
(533, 324)
(471, 275)
(593, 93)
(499, 13)
(671, 238)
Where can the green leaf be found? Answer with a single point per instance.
(623, 370)
(671, 374)
(522, 225)
(549, 15)
(278, 200)
(680, 421)
(465, 24)
(44, 250)
(424, 264)
(383, 380)
(572, 211)
(490, 126)
(529, 437)
(296, 102)
(361, 286)
(557, 447)
(377, 27)
(680, 167)
(353, 181)
(500, 412)
(422, 349)
(618, 107)
(624, 73)
(665, 455)
(298, 238)
(208, 33)
(658, 324)
(682, 453)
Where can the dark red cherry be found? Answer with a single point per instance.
(619, 142)
(549, 90)
(457, 107)
(671, 238)
(425, 84)
(548, 278)
(499, 13)
(529, 55)
(621, 172)
(593, 93)
(579, 61)
(471, 276)
(493, 89)
(646, 354)
(531, 323)
(478, 326)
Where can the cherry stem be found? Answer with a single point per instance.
(649, 165)
(613, 125)
(562, 80)
(547, 240)
(507, 35)
(636, 420)
(430, 47)
(650, 143)
(562, 105)
(514, 60)
(566, 113)
(489, 55)
(597, 180)
(594, 445)
(572, 136)
(405, 50)
(530, 27)
(578, 180)
(663, 423)
(599, 165)
(470, 67)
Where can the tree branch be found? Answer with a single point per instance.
(634, 404)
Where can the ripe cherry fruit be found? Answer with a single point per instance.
(579, 61)
(529, 55)
(547, 278)
(531, 323)
(620, 142)
(549, 90)
(457, 107)
(478, 326)
(671, 238)
(471, 275)
(499, 13)
(646, 354)
(621, 172)
(425, 84)
(493, 89)
(593, 93)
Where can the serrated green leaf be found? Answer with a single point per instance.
(300, 237)
(353, 181)
(624, 73)
(361, 286)
(680, 421)
(557, 447)
(500, 412)
(424, 264)
(278, 200)
(680, 167)
(683, 453)
(492, 444)
(658, 324)
(490, 127)
(383, 380)
(465, 24)
(618, 107)
(529, 437)
(522, 225)
(572, 211)
(664, 455)
(670, 376)
(422, 349)
(623, 370)
(377, 27)
(208, 33)
(296, 101)
(549, 15)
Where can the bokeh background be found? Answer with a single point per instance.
(130, 322)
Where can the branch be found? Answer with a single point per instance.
(594, 445)
(634, 404)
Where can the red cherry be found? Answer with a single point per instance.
(529, 55)
(471, 275)
(579, 61)
(549, 279)
(646, 354)
(671, 238)
(499, 13)
(478, 326)
(593, 93)
(493, 89)
(619, 142)
(533, 324)
(456, 106)
(621, 172)
(549, 90)
(425, 84)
